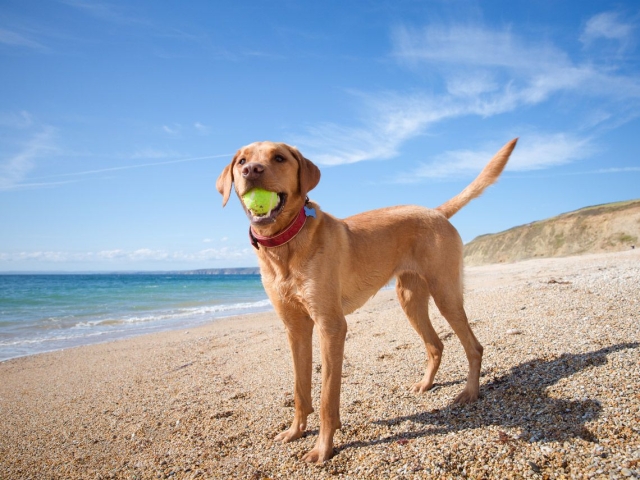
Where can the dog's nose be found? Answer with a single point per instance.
(252, 170)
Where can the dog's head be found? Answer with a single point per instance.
(275, 167)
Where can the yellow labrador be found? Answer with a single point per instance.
(317, 268)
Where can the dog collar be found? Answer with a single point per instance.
(286, 235)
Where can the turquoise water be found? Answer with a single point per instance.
(40, 313)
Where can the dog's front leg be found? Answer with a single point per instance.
(333, 332)
(299, 331)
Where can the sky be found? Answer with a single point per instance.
(116, 117)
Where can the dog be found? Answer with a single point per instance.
(317, 268)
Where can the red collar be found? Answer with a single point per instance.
(281, 238)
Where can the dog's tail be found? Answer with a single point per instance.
(488, 176)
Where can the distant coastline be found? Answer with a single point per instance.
(223, 271)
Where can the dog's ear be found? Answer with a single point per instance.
(308, 173)
(225, 181)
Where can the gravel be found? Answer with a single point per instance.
(560, 391)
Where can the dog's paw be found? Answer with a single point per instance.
(467, 396)
(289, 435)
(421, 387)
(318, 455)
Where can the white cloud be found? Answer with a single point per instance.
(109, 254)
(464, 86)
(14, 39)
(18, 120)
(132, 257)
(543, 151)
(472, 46)
(393, 120)
(224, 253)
(130, 167)
(15, 168)
(147, 254)
(47, 256)
(618, 170)
(177, 129)
(33, 185)
(607, 25)
(486, 73)
(106, 12)
(173, 130)
(515, 72)
(201, 129)
(534, 152)
(533, 69)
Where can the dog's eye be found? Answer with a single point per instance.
(242, 161)
(279, 158)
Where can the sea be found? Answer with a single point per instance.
(42, 313)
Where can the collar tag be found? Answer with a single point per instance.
(310, 211)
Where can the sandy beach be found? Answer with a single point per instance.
(560, 391)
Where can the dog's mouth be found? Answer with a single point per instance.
(270, 216)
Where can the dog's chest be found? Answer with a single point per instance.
(284, 286)
(288, 290)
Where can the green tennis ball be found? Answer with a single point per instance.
(260, 201)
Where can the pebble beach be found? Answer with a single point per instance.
(560, 391)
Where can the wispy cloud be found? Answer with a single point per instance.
(608, 26)
(18, 120)
(514, 71)
(472, 45)
(172, 130)
(128, 256)
(618, 170)
(201, 129)
(534, 152)
(15, 39)
(178, 129)
(105, 11)
(130, 167)
(485, 73)
(393, 119)
(37, 185)
(14, 169)
(170, 41)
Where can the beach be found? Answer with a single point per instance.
(560, 391)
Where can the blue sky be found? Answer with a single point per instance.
(117, 117)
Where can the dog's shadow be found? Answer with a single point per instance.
(518, 399)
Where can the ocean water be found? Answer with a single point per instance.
(40, 313)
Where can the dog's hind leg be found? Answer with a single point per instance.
(448, 296)
(413, 293)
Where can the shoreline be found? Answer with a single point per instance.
(50, 313)
(559, 390)
(118, 336)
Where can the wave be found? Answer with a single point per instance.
(55, 338)
(82, 332)
(176, 314)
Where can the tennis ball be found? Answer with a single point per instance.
(260, 201)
